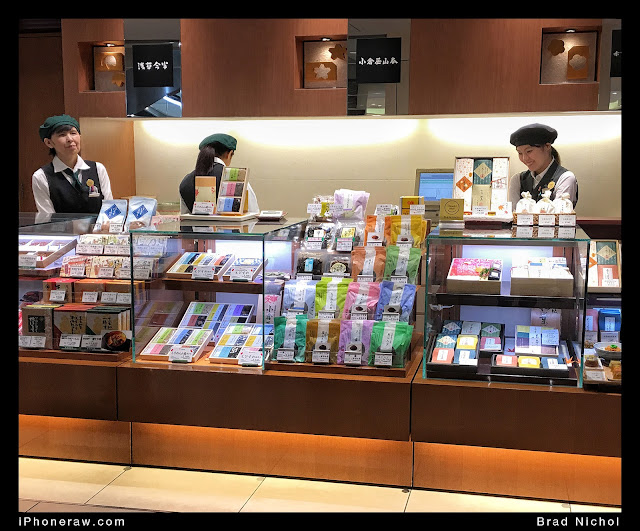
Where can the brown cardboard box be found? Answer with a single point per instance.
(37, 320)
(58, 283)
(542, 287)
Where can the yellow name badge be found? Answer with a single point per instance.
(451, 209)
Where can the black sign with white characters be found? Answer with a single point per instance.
(378, 60)
(153, 65)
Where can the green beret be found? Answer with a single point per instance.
(533, 134)
(226, 140)
(53, 122)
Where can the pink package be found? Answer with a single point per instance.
(361, 295)
(355, 334)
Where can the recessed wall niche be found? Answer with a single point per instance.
(568, 57)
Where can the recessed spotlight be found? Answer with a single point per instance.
(570, 30)
(326, 39)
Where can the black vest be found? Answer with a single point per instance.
(553, 174)
(67, 198)
(188, 184)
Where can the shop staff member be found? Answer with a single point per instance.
(216, 152)
(533, 144)
(68, 184)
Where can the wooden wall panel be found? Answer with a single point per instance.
(248, 67)
(40, 87)
(77, 36)
(112, 143)
(488, 66)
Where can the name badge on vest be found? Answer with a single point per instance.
(93, 190)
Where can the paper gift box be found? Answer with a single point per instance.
(205, 189)
(452, 327)
(407, 200)
(446, 341)
(471, 275)
(104, 318)
(37, 320)
(462, 354)
(463, 181)
(69, 319)
(504, 360)
(467, 341)
(490, 330)
(58, 284)
(499, 182)
(442, 355)
(87, 285)
(491, 344)
(471, 328)
(529, 362)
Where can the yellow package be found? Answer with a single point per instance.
(412, 229)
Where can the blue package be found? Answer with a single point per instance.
(396, 293)
(609, 319)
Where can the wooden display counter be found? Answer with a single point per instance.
(560, 443)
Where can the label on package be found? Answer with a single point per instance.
(383, 359)
(57, 295)
(320, 356)
(285, 354)
(89, 296)
(525, 219)
(203, 207)
(546, 220)
(70, 340)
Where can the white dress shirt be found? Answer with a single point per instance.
(40, 185)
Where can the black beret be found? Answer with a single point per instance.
(226, 140)
(53, 122)
(533, 134)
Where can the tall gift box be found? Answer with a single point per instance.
(463, 181)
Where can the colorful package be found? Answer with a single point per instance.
(291, 333)
(353, 203)
(368, 262)
(402, 261)
(396, 294)
(405, 229)
(319, 235)
(362, 298)
(299, 296)
(348, 230)
(355, 338)
(451, 326)
(545, 205)
(338, 264)
(311, 262)
(112, 211)
(331, 294)
(563, 204)
(374, 229)
(446, 341)
(323, 335)
(393, 338)
(141, 210)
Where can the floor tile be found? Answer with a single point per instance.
(435, 501)
(293, 495)
(51, 507)
(178, 490)
(63, 481)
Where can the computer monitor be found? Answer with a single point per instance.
(434, 184)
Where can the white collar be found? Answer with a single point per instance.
(219, 161)
(540, 175)
(58, 165)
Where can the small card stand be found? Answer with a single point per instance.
(375, 239)
(405, 239)
(353, 353)
(383, 359)
(285, 355)
(327, 314)
(359, 312)
(232, 194)
(391, 313)
(321, 353)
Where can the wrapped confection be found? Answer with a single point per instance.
(319, 235)
(526, 205)
(368, 262)
(563, 204)
(353, 203)
(374, 229)
(410, 229)
(545, 205)
(392, 338)
(462, 356)
(338, 264)
(505, 360)
(348, 231)
(141, 210)
(299, 296)
(331, 294)
(402, 261)
(291, 333)
(529, 362)
(467, 341)
(472, 328)
(398, 296)
(451, 326)
(446, 341)
(112, 212)
(361, 300)
(311, 263)
(323, 335)
(355, 338)
(442, 355)
(325, 203)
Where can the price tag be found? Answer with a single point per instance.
(304, 276)
(352, 359)
(610, 282)
(77, 271)
(203, 273)
(523, 232)
(383, 210)
(89, 296)
(358, 316)
(416, 210)
(125, 271)
(241, 273)
(70, 340)
(326, 314)
(550, 337)
(567, 220)
(546, 232)
(109, 297)
(116, 227)
(314, 208)
(400, 279)
(105, 272)
(32, 341)
(141, 273)
(90, 342)
(609, 337)
(382, 359)
(89, 248)
(203, 207)
(479, 210)
(27, 260)
(181, 355)
(336, 209)
(57, 295)
(117, 249)
(320, 356)
(568, 233)
(313, 244)
(390, 317)
(123, 298)
(250, 357)
(525, 219)
(546, 220)
(285, 354)
(344, 244)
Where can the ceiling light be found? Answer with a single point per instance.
(570, 30)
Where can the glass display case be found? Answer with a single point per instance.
(503, 307)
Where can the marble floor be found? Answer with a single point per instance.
(52, 486)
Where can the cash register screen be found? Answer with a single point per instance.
(434, 185)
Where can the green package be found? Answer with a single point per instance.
(391, 337)
(401, 261)
(323, 335)
(331, 294)
(291, 332)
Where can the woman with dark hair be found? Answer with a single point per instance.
(216, 152)
(533, 144)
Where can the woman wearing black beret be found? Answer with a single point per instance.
(68, 184)
(533, 144)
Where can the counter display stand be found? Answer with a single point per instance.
(491, 403)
